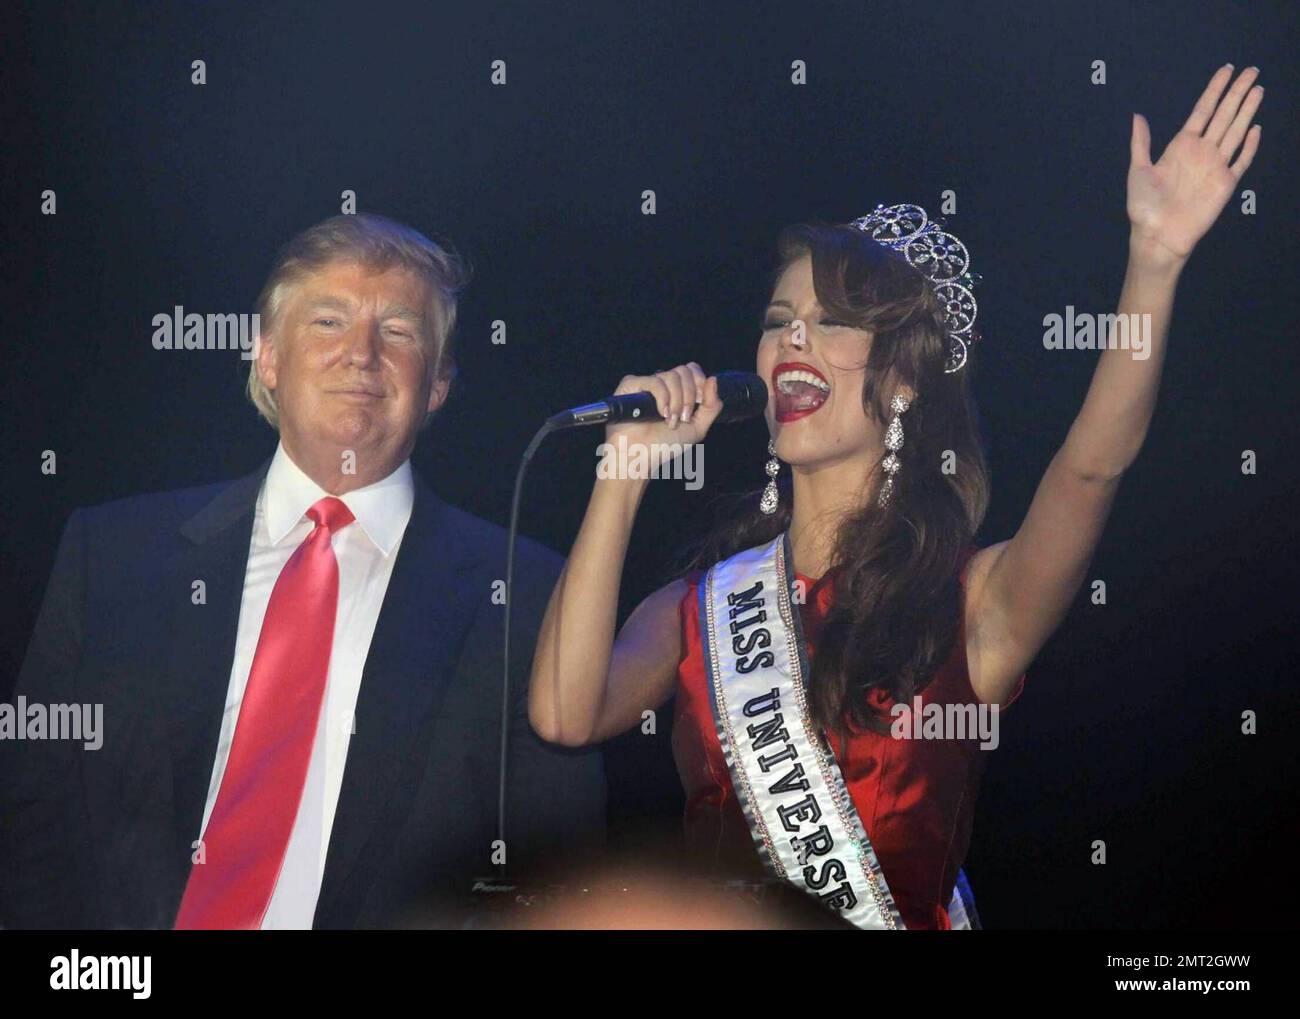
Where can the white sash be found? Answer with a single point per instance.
(804, 824)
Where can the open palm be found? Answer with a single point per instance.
(1174, 202)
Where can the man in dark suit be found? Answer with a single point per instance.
(299, 671)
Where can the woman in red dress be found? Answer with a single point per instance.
(916, 797)
(863, 346)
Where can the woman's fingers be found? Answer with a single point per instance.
(1231, 103)
(690, 394)
(672, 380)
(1241, 122)
(1247, 152)
(696, 390)
(1204, 108)
(683, 384)
(651, 384)
(678, 392)
(710, 405)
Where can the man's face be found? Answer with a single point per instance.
(351, 364)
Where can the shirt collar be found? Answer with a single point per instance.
(382, 509)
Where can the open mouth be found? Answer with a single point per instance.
(798, 390)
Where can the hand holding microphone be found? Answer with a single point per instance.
(674, 406)
(686, 404)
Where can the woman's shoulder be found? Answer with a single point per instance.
(688, 584)
(675, 591)
(964, 561)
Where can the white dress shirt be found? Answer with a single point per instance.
(366, 550)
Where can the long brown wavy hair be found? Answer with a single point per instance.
(895, 611)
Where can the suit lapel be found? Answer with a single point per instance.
(426, 614)
(200, 646)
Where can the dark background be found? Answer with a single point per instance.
(171, 193)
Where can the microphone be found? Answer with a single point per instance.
(743, 395)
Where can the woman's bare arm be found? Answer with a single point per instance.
(1019, 590)
(586, 686)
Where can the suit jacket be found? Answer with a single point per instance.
(103, 838)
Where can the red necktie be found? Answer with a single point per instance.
(247, 835)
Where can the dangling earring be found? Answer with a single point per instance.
(770, 495)
(893, 443)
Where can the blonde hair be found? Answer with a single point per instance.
(379, 244)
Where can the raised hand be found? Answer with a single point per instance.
(1174, 202)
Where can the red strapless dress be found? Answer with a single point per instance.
(916, 797)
